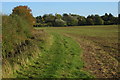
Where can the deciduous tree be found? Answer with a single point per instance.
(24, 12)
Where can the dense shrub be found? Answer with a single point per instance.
(14, 30)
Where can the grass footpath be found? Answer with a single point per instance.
(61, 60)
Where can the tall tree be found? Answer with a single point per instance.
(58, 16)
(60, 22)
(49, 19)
(39, 19)
(98, 20)
(90, 20)
(24, 12)
(109, 19)
(81, 20)
(71, 21)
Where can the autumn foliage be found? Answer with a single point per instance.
(17, 28)
(24, 12)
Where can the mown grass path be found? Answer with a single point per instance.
(62, 60)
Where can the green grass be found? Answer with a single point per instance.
(15, 30)
(103, 39)
(106, 35)
(62, 60)
(16, 44)
(60, 52)
(101, 31)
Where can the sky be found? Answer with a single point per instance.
(60, 0)
(80, 8)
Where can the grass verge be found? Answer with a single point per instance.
(61, 60)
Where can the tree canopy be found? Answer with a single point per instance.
(24, 12)
(75, 20)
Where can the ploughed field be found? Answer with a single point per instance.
(76, 52)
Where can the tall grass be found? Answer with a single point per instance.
(17, 46)
(14, 30)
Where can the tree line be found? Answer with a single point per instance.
(59, 20)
